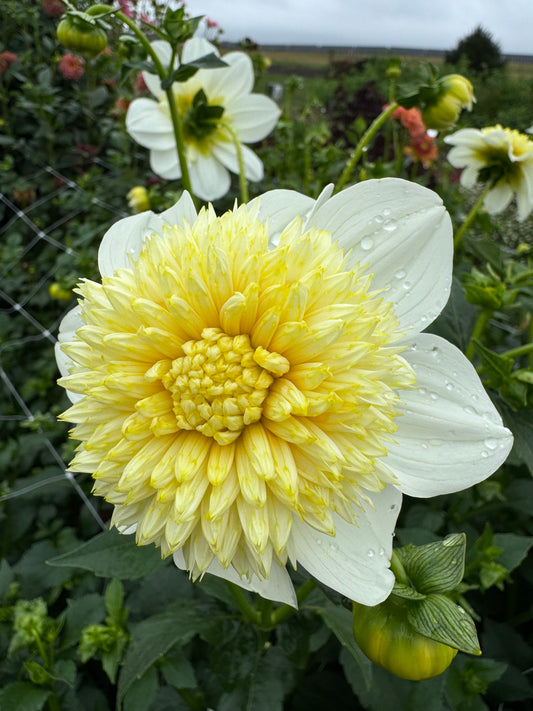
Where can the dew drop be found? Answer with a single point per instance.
(449, 386)
(424, 445)
(475, 398)
(484, 454)
(407, 285)
(371, 553)
(422, 391)
(333, 547)
(367, 243)
(490, 443)
(433, 396)
(379, 218)
(400, 274)
(434, 351)
(382, 551)
(390, 226)
(469, 410)
(387, 211)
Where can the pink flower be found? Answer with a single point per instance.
(53, 7)
(6, 59)
(140, 84)
(125, 7)
(72, 66)
(210, 23)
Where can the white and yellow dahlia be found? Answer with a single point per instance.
(254, 389)
(501, 157)
(209, 138)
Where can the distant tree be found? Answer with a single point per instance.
(479, 50)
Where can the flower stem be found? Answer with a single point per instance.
(244, 606)
(520, 351)
(469, 218)
(285, 611)
(174, 113)
(398, 569)
(365, 140)
(243, 184)
(481, 323)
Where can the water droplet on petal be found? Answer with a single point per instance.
(371, 553)
(469, 410)
(449, 386)
(367, 243)
(390, 226)
(387, 211)
(379, 218)
(490, 443)
(484, 454)
(400, 274)
(382, 551)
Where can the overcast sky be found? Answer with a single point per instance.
(425, 24)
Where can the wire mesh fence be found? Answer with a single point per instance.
(45, 235)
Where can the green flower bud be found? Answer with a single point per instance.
(387, 638)
(454, 93)
(80, 36)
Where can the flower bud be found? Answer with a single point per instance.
(138, 199)
(387, 638)
(81, 36)
(57, 292)
(454, 94)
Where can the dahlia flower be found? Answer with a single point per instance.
(254, 389)
(72, 66)
(500, 156)
(209, 147)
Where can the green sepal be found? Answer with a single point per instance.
(177, 27)
(440, 619)
(187, 70)
(435, 567)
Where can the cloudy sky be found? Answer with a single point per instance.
(425, 24)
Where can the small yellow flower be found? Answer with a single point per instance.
(138, 199)
(244, 394)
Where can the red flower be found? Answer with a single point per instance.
(53, 7)
(72, 66)
(6, 59)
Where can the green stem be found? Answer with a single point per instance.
(530, 333)
(398, 569)
(520, 351)
(244, 606)
(365, 140)
(285, 611)
(174, 113)
(243, 184)
(192, 700)
(470, 217)
(481, 323)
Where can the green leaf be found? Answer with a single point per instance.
(340, 622)
(111, 555)
(177, 670)
(440, 619)
(436, 567)
(142, 692)
(65, 671)
(496, 368)
(407, 592)
(208, 61)
(114, 597)
(22, 696)
(83, 611)
(6, 578)
(152, 638)
(514, 549)
(521, 425)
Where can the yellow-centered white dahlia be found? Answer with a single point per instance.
(499, 156)
(253, 389)
(215, 106)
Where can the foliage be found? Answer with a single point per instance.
(88, 621)
(479, 49)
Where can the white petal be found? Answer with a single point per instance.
(278, 208)
(166, 164)
(126, 236)
(67, 330)
(469, 177)
(404, 233)
(253, 116)
(195, 48)
(450, 435)
(278, 587)
(164, 53)
(149, 126)
(232, 81)
(209, 179)
(356, 562)
(498, 198)
(226, 153)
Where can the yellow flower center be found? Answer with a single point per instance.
(229, 388)
(217, 386)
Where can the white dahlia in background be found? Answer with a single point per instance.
(499, 156)
(209, 146)
(254, 388)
